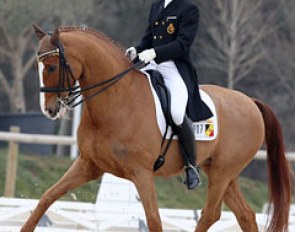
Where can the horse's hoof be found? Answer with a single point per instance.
(25, 229)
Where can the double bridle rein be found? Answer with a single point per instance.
(66, 75)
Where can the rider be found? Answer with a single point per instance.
(166, 47)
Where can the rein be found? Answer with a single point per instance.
(66, 74)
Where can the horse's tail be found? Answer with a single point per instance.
(279, 170)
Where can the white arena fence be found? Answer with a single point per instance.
(117, 207)
(70, 140)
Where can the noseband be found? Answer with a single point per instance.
(66, 74)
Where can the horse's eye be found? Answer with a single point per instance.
(51, 68)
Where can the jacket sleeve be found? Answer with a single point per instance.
(187, 31)
(146, 41)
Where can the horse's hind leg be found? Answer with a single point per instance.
(217, 184)
(145, 185)
(235, 200)
(79, 173)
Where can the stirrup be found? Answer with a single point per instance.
(194, 168)
(183, 175)
(195, 179)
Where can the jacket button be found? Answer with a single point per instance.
(156, 23)
(161, 37)
(155, 37)
(163, 22)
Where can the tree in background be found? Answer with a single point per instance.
(124, 21)
(281, 56)
(279, 72)
(16, 49)
(234, 33)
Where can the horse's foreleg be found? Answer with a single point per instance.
(235, 200)
(79, 173)
(146, 188)
(211, 213)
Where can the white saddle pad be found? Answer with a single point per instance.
(204, 130)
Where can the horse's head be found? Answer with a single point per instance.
(57, 78)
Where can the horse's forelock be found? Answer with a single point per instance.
(54, 39)
(45, 45)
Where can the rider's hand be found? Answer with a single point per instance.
(131, 53)
(147, 55)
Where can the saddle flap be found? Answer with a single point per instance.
(163, 94)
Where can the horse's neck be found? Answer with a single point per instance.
(122, 106)
(120, 102)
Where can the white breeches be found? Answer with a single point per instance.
(177, 87)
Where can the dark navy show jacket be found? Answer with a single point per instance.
(171, 33)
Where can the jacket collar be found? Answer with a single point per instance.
(167, 2)
(172, 6)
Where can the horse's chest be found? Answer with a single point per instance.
(107, 157)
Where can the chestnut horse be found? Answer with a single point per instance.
(118, 132)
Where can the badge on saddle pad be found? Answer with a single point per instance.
(204, 130)
(170, 29)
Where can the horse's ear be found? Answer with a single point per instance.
(40, 33)
(55, 37)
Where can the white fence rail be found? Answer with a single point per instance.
(108, 214)
(261, 155)
(117, 209)
(68, 140)
(36, 138)
(14, 138)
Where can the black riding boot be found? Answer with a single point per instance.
(188, 150)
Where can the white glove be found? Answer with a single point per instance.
(147, 55)
(131, 53)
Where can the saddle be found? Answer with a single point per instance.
(163, 94)
(205, 130)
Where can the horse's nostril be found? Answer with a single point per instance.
(50, 111)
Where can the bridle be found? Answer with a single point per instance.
(66, 75)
